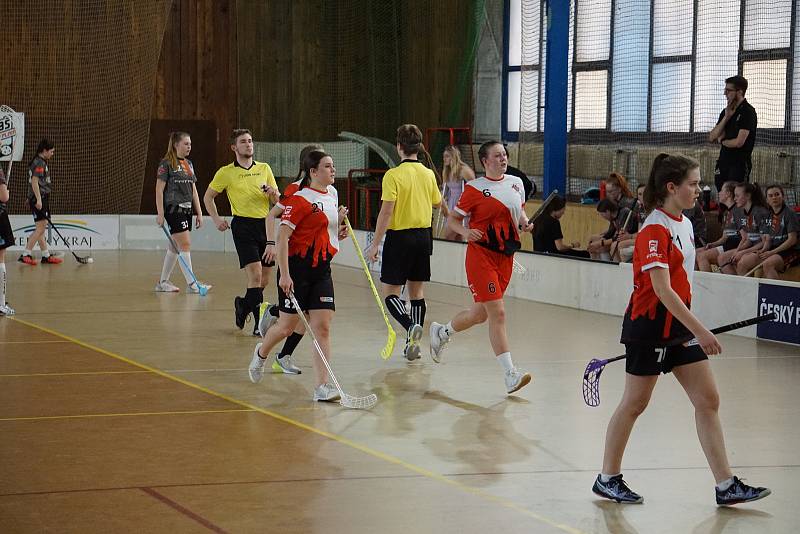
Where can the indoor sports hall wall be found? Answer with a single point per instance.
(586, 285)
(82, 71)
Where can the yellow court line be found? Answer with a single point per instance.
(23, 375)
(132, 414)
(372, 452)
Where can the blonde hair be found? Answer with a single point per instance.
(172, 155)
(453, 170)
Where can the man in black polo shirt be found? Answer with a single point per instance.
(736, 132)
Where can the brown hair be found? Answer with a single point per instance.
(618, 180)
(172, 155)
(666, 168)
(237, 133)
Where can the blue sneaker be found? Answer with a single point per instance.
(739, 492)
(616, 490)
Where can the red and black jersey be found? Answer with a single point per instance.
(290, 190)
(314, 217)
(664, 242)
(494, 206)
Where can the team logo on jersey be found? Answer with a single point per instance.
(287, 211)
(316, 207)
(652, 247)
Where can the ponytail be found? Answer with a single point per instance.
(172, 156)
(666, 168)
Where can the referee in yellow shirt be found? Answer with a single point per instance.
(409, 194)
(250, 186)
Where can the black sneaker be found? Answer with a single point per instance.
(616, 490)
(241, 312)
(739, 492)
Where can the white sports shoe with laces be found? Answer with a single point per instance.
(165, 286)
(516, 379)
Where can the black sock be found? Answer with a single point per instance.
(274, 311)
(398, 311)
(418, 309)
(290, 344)
(253, 297)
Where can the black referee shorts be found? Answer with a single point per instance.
(647, 360)
(250, 240)
(407, 256)
(6, 235)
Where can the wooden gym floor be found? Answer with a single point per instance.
(122, 410)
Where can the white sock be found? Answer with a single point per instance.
(505, 361)
(725, 484)
(45, 253)
(605, 478)
(2, 284)
(169, 264)
(448, 329)
(186, 267)
(27, 252)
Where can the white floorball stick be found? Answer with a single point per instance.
(348, 401)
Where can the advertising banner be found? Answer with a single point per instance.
(82, 232)
(784, 301)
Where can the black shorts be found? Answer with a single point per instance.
(313, 287)
(42, 214)
(731, 172)
(407, 256)
(732, 242)
(178, 222)
(250, 239)
(647, 360)
(6, 235)
(790, 257)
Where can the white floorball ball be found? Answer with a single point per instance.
(90, 260)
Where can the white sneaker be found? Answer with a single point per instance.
(411, 351)
(165, 286)
(516, 379)
(7, 310)
(439, 338)
(326, 393)
(192, 288)
(265, 318)
(256, 369)
(285, 365)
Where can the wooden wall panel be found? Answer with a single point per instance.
(312, 68)
(197, 72)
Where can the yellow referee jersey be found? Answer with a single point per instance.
(244, 188)
(412, 187)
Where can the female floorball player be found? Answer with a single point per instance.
(176, 198)
(283, 359)
(780, 233)
(6, 240)
(663, 264)
(306, 244)
(494, 204)
(408, 193)
(455, 174)
(39, 189)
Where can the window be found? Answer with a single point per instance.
(643, 67)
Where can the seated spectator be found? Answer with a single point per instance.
(709, 255)
(698, 218)
(779, 231)
(617, 190)
(625, 240)
(600, 245)
(748, 215)
(547, 236)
